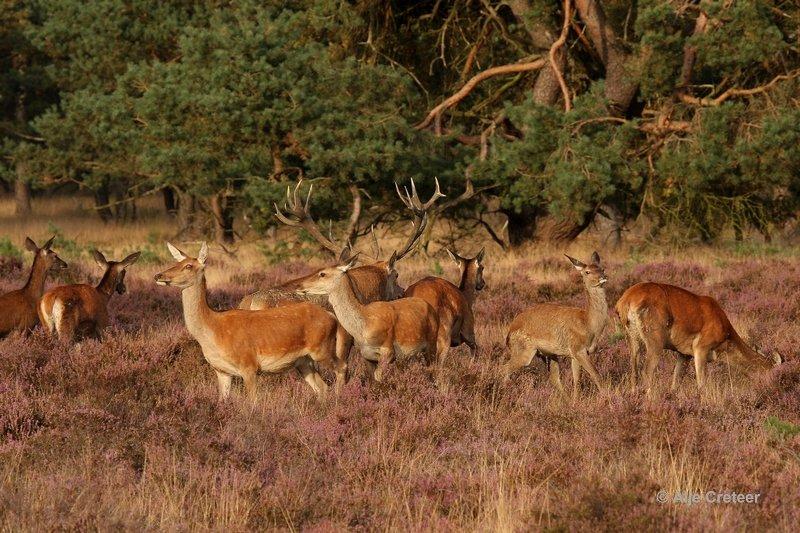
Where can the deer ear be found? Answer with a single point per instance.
(30, 245)
(480, 255)
(49, 243)
(131, 259)
(99, 259)
(453, 256)
(203, 255)
(577, 264)
(596, 258)
(177, 254)
(344, 255)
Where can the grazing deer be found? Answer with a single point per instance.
(241, 342)
(660, 316)
(454, 304)
(79, 310)
(551, 331)
(18, 308)
(382, 330)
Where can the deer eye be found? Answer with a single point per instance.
(188, 267)
(322, 274)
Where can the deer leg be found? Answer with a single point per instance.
(576, 377)
(681, 363)
(250, 385)
(305, 367)
(633, 347)
(372, 367)
(521, 356)
(700, 360)
(583, 358)
(386, 357)
(223, 384)
(442, 342)
(555, 376)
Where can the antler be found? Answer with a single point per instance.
(296, 214)
(420, 210)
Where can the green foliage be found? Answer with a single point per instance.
(780, 429)
(229, 102)
(7, 249)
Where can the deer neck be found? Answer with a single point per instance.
(347, 307)
(467, 285)
(597, 309)
(196, 312)
(107, 284)
(35, 284)
(745, 356)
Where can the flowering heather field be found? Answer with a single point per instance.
(128, 434)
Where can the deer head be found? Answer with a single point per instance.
(50, 259)
(187, 272)
(592, 274)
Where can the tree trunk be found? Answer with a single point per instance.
(170, 201)
(187, 212)
(223, 218)
(102, 198)
(521, 228)
(22, 198)
(620, 87)
(546, 89)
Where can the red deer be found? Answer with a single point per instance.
(19, 306)
(659, 316)
(240, 343)
(551, 330)
(80, 310)
(454, 304)
(382, 330)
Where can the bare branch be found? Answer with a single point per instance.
(435, 113)
(733, 92)
(554, 49)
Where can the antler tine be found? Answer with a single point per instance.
(405, 199)
(308, 197)
(436, 195)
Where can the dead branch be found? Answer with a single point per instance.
(554, 49)
(734, 92)
(435, 113)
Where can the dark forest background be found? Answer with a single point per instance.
(683, 113)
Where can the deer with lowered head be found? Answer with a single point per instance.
(454, 304)
(19, 306)
(550, 331)
(241, 343)
(79, 310)
(658, 316)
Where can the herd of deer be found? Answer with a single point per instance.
(314, 320)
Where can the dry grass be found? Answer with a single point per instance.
(127, 433)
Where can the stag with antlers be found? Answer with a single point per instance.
(375, 281)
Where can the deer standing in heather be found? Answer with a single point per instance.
(240, 343)
(78, 310)
(659, 316)
(384, 330)
(375, 281)
(454, 304)
(551, 331)
(18, 308)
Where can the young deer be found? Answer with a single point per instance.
(19, 306)
(660, 316)
(551, 331)
(74, 311)
(241, 342)
(454, 304)
(382, 330)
